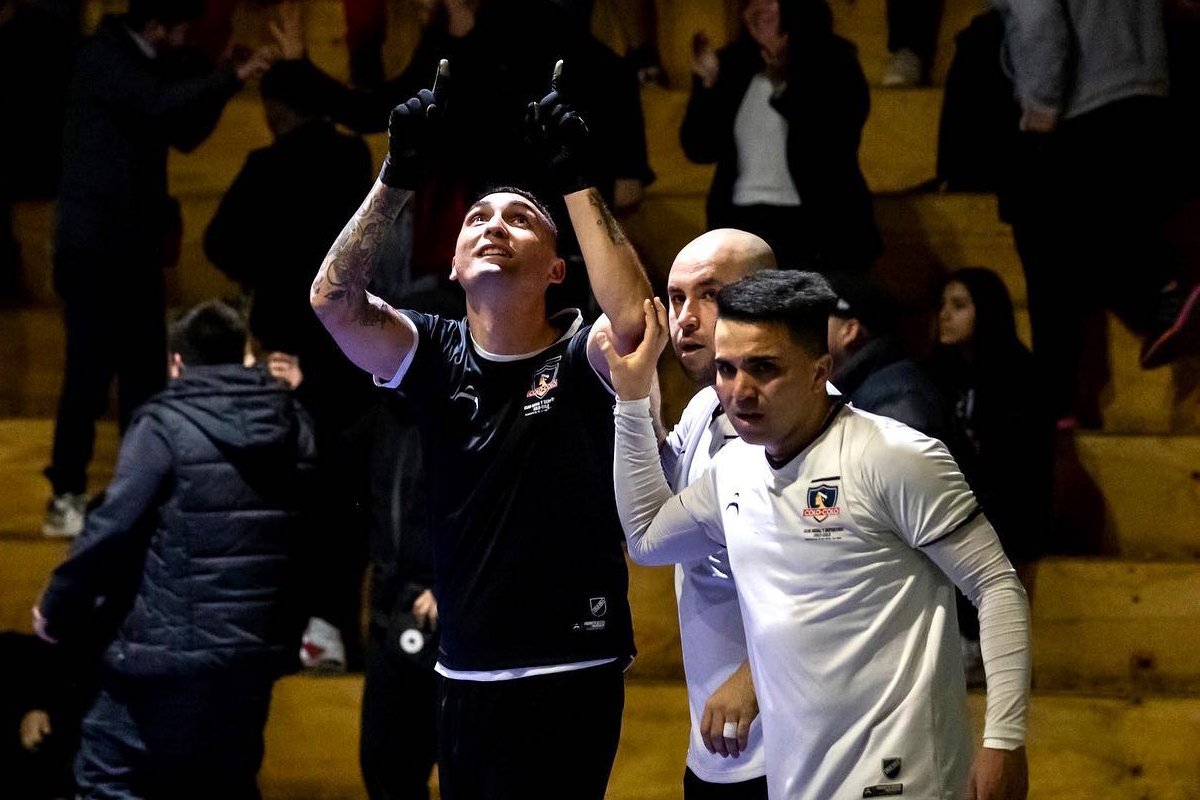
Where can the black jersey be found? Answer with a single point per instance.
(529, 566)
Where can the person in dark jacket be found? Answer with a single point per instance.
(131, 98)
(195, 554)
(501, 54)
(870, 366)
(787, 93)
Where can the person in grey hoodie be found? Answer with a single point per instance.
(1092, 189)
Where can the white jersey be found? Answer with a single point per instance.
(710, 621)
(851, 625)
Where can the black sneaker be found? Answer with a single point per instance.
(1177, 328)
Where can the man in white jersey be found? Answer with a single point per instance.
(845, 530)
(725, 755)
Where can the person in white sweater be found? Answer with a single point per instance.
(847, 532)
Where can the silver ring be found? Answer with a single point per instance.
(730, 730)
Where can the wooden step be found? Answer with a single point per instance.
(1079, 747)
(24, 450)
(25, 566)
(1116, 627)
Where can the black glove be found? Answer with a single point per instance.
(562, 136)
(412, 133)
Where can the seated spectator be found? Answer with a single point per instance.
(999, 433)
(196, 556)
(870, 366)
(787, 91)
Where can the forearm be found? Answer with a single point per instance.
(368, 330)
(658, 529)
(616, 274)
(973, 558)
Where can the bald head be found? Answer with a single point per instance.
(702, 267)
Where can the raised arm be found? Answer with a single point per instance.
(659, 527)
(371, 333)
(616, 274)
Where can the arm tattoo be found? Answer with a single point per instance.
(348, 268)
(615, 234)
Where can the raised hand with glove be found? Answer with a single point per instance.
(560, 133)
(413, 129)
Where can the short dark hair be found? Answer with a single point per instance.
(211, 333)
(799, 300)
(534, 200)
(168, 12)
(861, 297)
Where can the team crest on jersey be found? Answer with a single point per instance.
(599, 606)
(822, 501)
(545, 379)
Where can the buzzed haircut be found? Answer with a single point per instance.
(168, 12)
(210, 333)
(800, 300)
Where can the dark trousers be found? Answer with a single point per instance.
(914, 24)
(173, 740)
(398, 743)
(1088, 224)
(542, 738)
(696, 789)
(115, 327)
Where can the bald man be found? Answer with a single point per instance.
(725, 757)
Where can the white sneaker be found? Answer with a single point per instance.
(64, 516)
(321, 648)
(903, 70)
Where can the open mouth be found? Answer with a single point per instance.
(485, 252)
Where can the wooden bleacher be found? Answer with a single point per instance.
(1116, 710)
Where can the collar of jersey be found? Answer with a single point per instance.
(570, 318)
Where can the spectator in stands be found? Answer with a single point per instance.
(39, 720)
(725, 754)
(36, 51)
(514, 412)
(502, 52)
(787, 91)
(999, 433)
(196, 552)
(870, 366)
(1094, 190)
(912, 39)
(116, 224)
(638, 23)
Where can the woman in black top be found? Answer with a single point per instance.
(780, 111)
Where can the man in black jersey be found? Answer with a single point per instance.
(515, 411)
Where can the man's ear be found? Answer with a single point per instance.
(453, 268)
(174, 365)
(558, 271)
(822, 372)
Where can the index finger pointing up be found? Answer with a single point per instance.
(554, 79)
(441, 82)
